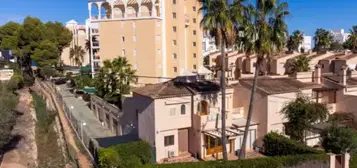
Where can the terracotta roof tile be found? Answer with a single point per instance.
(279, 85)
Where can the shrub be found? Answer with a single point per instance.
(278, 145)
(132, 154)
(69, 75)
(267, 162)
(16, 82)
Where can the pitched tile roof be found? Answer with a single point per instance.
(269, 85)
(175, 88)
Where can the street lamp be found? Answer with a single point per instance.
(82, 124)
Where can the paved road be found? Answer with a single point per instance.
(68, 132)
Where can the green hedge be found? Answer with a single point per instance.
(266, 162)
(131, 154)
(279, 145)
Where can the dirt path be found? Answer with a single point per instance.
(68, 132)
(23, 150)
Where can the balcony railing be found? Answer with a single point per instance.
(95, 44)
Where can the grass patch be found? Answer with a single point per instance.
(49, 152)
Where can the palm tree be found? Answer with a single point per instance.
(323, 39)
(352, 38)
(298, 38)
(114, 78)
(267, 36)
(76, 54)
(300, 63)
(220, 20)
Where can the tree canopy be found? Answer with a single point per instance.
(114, 79)
(301, 113)
(339, 140)
(295, 40)
(323, 40)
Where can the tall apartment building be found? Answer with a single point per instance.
(80, 36)
(160, 38)
(339, 35)
(306, 44)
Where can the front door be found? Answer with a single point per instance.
(213, 145)
(183, 140)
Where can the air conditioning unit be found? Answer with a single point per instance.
(171, 154)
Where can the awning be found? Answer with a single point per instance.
(204, 71)
(218, 133)
(241, 122)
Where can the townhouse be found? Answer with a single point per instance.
(183, 116)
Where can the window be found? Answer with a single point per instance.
(172, 112)
(194, 44)
(123, 52)
(175, 69)
(174, 42)
(202, 108)
(175, 55)
(174, 15)
(183, 109)
(194, 32)
(194, 67)
(174, 29)
(158, 51)
(158, 23)
(123, 38)
(158, 37)
(194, 20)
(134, 52)
(134, 38)
(169, 140)
(194, 8)
(174, 2)
(194, 55)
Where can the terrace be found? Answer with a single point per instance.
(124, 9)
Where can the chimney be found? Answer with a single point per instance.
(343, 75)
(317, 74)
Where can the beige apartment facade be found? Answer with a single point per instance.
(161, 38)
(80, 35)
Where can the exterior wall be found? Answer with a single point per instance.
(146, 118)
(279, 63)
(108, 115)
(276, 103)
(316, 60)
(184, 37)
(79, 39)
(145, 46)
(346, 101)
(166, 125)
(260, 111)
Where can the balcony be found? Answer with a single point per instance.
(95, 31)
(95, 45)
(211, 121)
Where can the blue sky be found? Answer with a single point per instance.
(307, 15)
